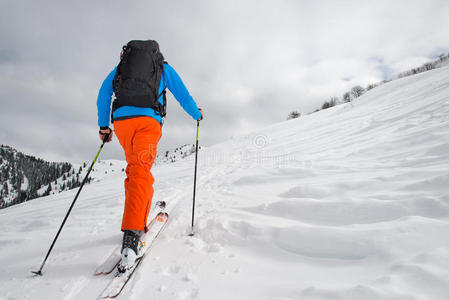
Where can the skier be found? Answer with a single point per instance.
(137, 113)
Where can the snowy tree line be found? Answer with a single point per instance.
(439, 62)
(175, 155)
(358, 91)
(24, 177)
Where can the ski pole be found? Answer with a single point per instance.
(194, 177)
(39, 272)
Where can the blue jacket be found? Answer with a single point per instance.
(171, 80)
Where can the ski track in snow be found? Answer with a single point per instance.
(347, 203)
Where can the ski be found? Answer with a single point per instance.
(113, 260)
(119, 280)
(110, 263)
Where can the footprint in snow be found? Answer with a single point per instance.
(213, 248)
(162, 288)
(191, 294)
(189, 277)
(171, 270)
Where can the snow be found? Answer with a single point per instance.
(347, 203)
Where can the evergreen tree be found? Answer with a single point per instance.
(5, 189)
(48, 191)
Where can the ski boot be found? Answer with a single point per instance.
(131, 242)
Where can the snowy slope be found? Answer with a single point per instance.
(348, 203)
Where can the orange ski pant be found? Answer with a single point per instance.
(139, 137)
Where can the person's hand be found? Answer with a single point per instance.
(201, 111)
(106, 132)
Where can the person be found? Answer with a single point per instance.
(137, 117)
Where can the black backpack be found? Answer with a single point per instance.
(138, 76)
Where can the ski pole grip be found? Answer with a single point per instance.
(106, 137)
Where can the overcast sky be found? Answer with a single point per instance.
(246, 63)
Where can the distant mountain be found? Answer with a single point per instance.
(24, 177)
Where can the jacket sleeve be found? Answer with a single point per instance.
(104, 100)
(179, 90)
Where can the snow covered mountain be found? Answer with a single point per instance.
(347, 203)
(24, 177)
